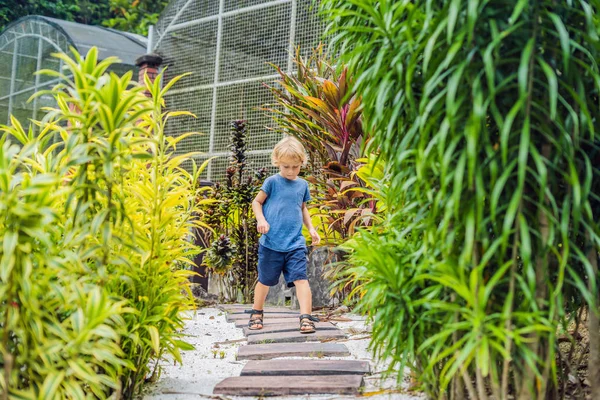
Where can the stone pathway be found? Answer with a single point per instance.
(231, 362)
(328, 377)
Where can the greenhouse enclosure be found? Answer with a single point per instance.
(26, 46)
(228, 46)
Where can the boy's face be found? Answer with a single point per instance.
(289, 168)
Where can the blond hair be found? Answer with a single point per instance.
(288, 148)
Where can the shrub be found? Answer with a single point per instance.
(96, 214)
(485, 113)
(318, 106)
(233, 254)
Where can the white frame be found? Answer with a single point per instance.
(174, 26)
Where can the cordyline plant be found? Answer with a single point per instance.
(233, 255)
(486, 113)
(95, 216)
(316, 105)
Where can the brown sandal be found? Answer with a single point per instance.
(256, 319)
(308, 321)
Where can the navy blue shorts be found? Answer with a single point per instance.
(271, 263)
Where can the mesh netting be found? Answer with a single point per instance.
(194, 45)
(26, 46)
(252, 40)
(227, 45)
(241, 101)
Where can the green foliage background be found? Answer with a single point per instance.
(95, 222)
(126, 15)
(486, 115)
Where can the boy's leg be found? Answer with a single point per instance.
(305, 299)
(260, 294)
(304, 296)
(295, 271)
(270, 264)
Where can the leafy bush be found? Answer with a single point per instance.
(128, 16)
(233, 254)
(485, 113)
(317, 105)
(134, 16)
(96, 213)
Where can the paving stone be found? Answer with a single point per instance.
(306, 367)
(236, 309)
(274, 350)
(292, 326)
(295, 336)
(283, 385)
(267, 312)
(267, 321)
(244, 316)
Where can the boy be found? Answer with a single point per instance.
(280, 209)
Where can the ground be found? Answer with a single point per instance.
(214, 359)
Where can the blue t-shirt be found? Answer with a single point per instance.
(283, 212)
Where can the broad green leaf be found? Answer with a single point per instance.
(552, 85)
(563, 36)
(51, 384)
(155, 338)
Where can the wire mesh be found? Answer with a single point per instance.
(167, 16)
(200, 104)
(35, 39)
(231, 5)
(3, 111)
(26, 64)
(242, 101)
(219, 165)
(252, 40)
(48, 62)
(21, 109)
(309, 29)
(194, 45)
(180, 11)
(198, 9)
(253, 33)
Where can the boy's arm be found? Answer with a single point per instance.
(316, 239)
(261, 222)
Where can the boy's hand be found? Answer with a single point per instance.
(316, 239)
(263, 226)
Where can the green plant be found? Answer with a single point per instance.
(220, 255)
(163, 198)
(233, 255)
(48, 315)
(485, 113)
(129, 16)
(317, 105)
(134, 16)
(96, 213)
(375, 175)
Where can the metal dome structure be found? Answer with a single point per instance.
(26, 46)
(228, 45)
